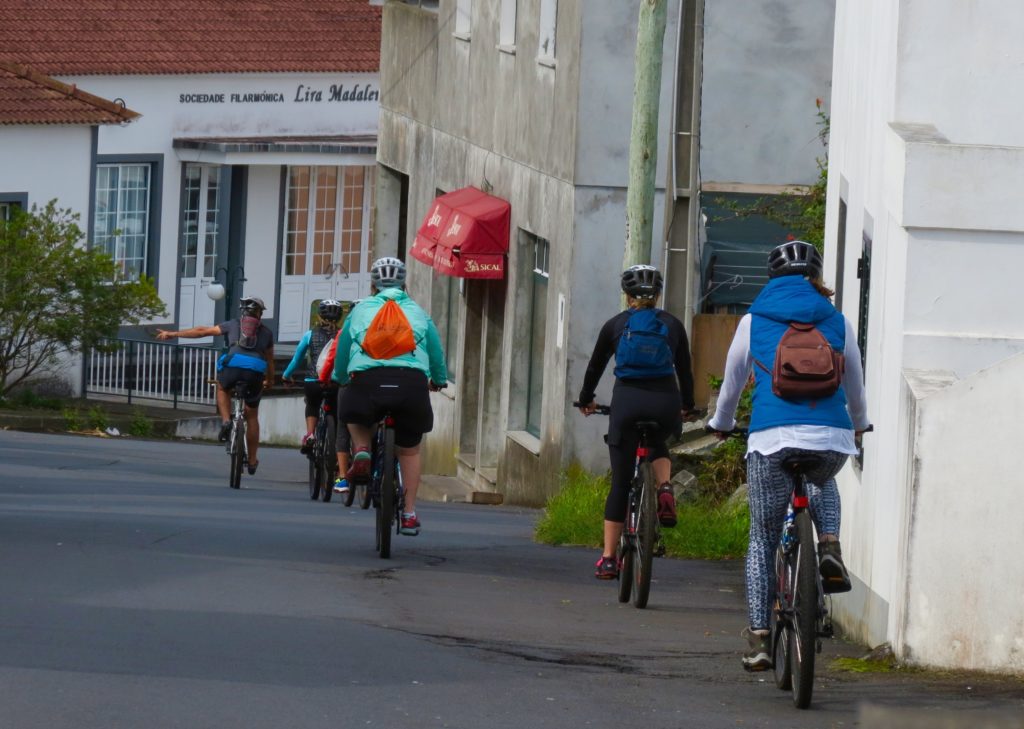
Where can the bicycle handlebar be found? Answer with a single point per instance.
(600, 409)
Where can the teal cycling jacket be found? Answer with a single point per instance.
(428, 357)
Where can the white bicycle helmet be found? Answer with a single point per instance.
(329, 309)
(387, 273)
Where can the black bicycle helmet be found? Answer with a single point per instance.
(795, 257)
(642, 282)
(329, 310)
(252, 305)
(387, 273)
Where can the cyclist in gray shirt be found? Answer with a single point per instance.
(249, 359)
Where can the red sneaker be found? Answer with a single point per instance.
(410, 525)
(607, 568)
(359, 471)
(666, 506)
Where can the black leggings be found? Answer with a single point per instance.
(630, 404)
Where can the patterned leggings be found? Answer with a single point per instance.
(770, 489)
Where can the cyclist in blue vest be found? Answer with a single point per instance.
(249, 359)
(653, 381)
(307, 352)
(780, 428)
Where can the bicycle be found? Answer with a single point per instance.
(641, 541)
(323, 463)
(801, 615)
(237, 447)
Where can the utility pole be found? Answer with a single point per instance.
(643, 140)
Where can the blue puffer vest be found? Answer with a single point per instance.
(786, 299)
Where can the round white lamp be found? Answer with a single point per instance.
(215, 291)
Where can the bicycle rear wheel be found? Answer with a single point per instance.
(314, 478)
(625, 556)
(780, 629)
(328, 461)
(646, 536)
(803, 633)
(386, 502)
(237, 453)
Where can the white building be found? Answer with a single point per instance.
(925, 237)
(252, 163)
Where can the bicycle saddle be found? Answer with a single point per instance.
(801, 463)
(650, 426)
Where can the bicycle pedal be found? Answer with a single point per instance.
(659, 551)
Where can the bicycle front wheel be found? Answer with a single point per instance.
(646, 536)
(237, 453)
(803, 633)
(625, 556)
(386, 502)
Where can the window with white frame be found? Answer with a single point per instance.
(324, 226)
(122, 214)
(463, 17)
(548, 20)
(537, 325)
(507, 24)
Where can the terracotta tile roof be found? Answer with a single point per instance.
(128, 37)
(27, 97)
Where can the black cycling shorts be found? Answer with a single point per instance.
(314, 396)
(228, 376)
(402, 391)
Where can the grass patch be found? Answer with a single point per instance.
(705, 531)
(861, 665)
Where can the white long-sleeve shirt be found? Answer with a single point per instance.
(738, 365)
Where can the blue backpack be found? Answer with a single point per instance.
(643, 350)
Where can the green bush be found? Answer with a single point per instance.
(29, 400)
(97, 418)
(724, 471)
(705, 530)
(140, 425)
(72, 419)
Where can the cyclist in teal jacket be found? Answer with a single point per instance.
(399, 385)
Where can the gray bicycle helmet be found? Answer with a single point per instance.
(329, 310)
(795, 257)
(642, 282)
(252, 305)
(387, 273)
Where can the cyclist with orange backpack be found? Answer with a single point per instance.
(389, 354)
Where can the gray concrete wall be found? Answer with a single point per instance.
(506, 123)
(608, 50)
(765, 63)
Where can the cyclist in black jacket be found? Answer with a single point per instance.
(653, 381)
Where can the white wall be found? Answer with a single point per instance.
(184, 106)
(963, 606)
(923, 176)
(48, 162)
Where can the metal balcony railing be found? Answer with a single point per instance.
(153, 371)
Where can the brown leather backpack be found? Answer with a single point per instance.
(806, 366)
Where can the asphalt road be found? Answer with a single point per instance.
(139, 591)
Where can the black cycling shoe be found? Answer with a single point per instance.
(225, 431)
(834, 577)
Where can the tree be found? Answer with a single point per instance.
(58, 296)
